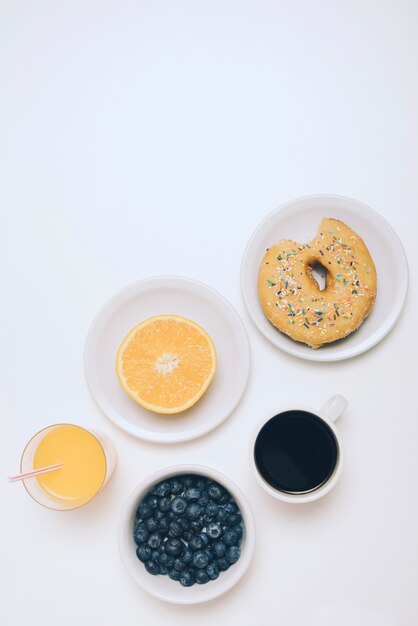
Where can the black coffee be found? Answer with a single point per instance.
(296, 452)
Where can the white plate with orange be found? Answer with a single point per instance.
(129, 398)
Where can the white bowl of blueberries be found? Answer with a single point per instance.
(186, 534)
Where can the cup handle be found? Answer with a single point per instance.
(334, 406)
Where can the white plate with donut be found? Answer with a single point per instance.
(155, 296)
(299, 220)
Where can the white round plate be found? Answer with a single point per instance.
(299, 220)
(171, 295)
(163, 587)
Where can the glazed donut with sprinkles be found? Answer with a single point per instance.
(292, 299)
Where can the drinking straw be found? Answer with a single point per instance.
(36, 472)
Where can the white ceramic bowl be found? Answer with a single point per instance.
(299, 220)
(163, 587)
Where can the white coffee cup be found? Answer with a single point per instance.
(329, 414)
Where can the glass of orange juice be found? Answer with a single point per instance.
(88, 460)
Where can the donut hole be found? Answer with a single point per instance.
(319, 273)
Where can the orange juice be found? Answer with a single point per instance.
(83, 459)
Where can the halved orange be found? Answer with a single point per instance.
(166, 363)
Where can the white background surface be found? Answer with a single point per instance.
(141, 138)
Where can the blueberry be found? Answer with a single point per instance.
(158, 515)
(176, 487)
(164, 504)
(230, 537)
(144, 511)
(179, 564)
(166, 559)
(175, 529)
(163, 569)
(239, 531)
(178, 505)
(231, 507)
(151, 524)
(205, 538)
(154, 540)
(196, 525)
(193, 511)
(215, 492)
(192, 494)
(152, 502)
(212, 509)
(164, 523)
(189, 481)
(187, 556)
(162, 489)
(152, 567)
(187, 578)
(201, 483)
(200, 559)
(202, 576)
(204, 500)
(196, 543)
(184, 523)
(174, 574)
(155, 555)
(222, 516)
(143, 552)
(188, 534)
(174, 547)
(213, 571)
(214, 530)
(210, 553)
(223, 564)
(225, 497)
(141, 534)
(233, 519)
(232, 554)
(219, 548)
